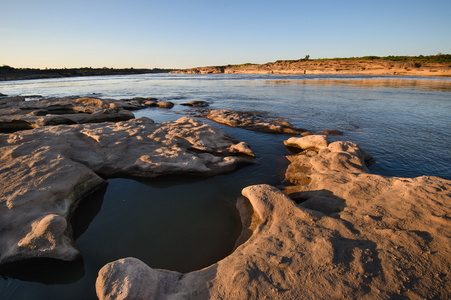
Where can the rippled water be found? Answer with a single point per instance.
(188, 223)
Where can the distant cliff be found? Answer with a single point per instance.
(410, 66)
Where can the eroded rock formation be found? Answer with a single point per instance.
(249, 121)
(18, 114)
(44, 172)
(347, 234)
(196, 103)
(331, 66)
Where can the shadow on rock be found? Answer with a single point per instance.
(363, 254)
(322, 200)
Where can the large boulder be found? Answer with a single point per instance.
(46, 171)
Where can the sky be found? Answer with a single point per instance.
(191, 33)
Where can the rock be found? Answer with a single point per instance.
(139, 103)
(3, 95)
(151, 103)
(315, 142)
(195, 103)
(251, 121)
(165, 104)
(142, 99)
(335, 158)
(46, 171)
(241, 148)
(138, 274)
(18, 114)
(351, 235)
(332, 132)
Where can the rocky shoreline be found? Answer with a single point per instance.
(336, 232)
(330, 230)
(335, 67)
(47, 170)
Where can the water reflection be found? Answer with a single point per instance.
(443, 85)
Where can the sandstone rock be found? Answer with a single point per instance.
(315, 142)
(352, 235)
(195, 103)
(151, 103)
(44, 172)
(138, 274)
(332, 132)
(138, 102)
(251, 121)
(3, 95)
(165, 104)
(142, 99)
(241, 148)
(18, 114)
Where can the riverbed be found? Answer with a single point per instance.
(186, 224)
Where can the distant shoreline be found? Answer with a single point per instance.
(407, 66)
(9, 73)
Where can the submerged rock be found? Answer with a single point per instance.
(44, 172)
(332, 132)
(348, 234)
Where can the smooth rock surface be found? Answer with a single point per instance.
(165, 104)
(196, 103)
(250, 121)
(18, 114)
(44, 172)
(348, 235)
(308, 142)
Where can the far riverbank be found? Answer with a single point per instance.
(10, 73)
(437, 66)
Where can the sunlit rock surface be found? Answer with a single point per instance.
(249, 120)
(344, 233)
(18, 114)
(44, 172)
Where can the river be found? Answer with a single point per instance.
(185, 224)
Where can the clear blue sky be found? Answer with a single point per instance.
(189, 33)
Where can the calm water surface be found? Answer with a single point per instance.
(186, 224)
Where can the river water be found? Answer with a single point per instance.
(186, 224)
